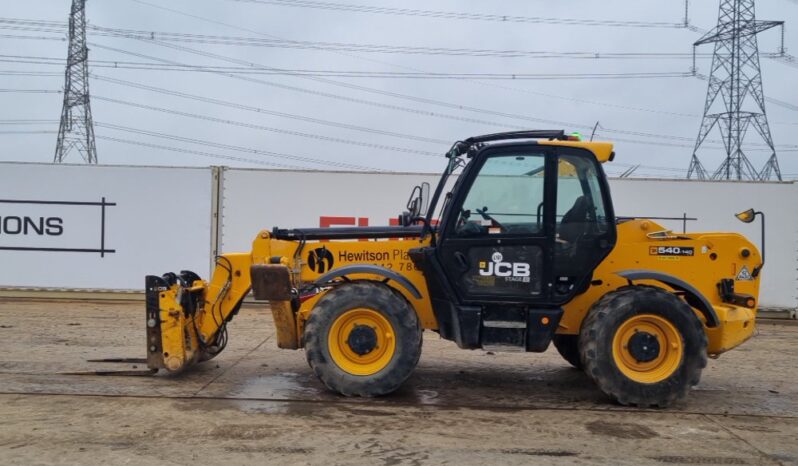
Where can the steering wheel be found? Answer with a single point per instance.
(484, 213)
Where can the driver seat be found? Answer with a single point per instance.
(573, 222)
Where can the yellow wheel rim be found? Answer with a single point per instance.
(372, 336)
(647, 348)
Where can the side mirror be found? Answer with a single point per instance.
(414, 202)
(424, 199)
(747, 216)
(418, 203)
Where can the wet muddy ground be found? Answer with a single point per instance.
(256, 404)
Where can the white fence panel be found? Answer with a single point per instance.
(254, 200)
(101, 227)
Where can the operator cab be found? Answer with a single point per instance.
(526, 223)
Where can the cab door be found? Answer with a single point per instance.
(498, 236)
(584, 222)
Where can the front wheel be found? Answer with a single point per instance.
(363, 339)
(643, 346)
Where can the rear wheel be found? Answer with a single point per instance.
(568, 347)
(363, 339)
(643, 346)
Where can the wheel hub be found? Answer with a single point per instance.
(644, 347)
(362, 340)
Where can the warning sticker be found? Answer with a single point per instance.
(744, 275)
(671, 251)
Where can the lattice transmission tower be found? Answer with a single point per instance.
(735, 77)
(77, 128)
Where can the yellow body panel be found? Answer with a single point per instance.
(224, 292)
(634, 251)
(391, 254)
(602, 150)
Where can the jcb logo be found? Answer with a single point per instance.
(503, 269)
(320, 260)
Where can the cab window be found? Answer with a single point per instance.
(580, 205)
(506, 197)
(582, 222)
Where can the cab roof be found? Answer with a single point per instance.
(602, 150)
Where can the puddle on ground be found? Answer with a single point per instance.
(285, 385)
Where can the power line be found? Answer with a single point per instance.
(357, 87)
(392, 94)
(232, 40)
(196, 152)
(302, 118)
(28, 122)
(29, 132)
(382, 48)
(28, 73)
(782, 103)
(130, 33)
(29, 37)
(658, 136)
(351, 47)
(379, 48)
(242, 124)
(458, 107)
(774, 101)
(340, 97)
(34, 22)
(248, 150)
(31, 91)
(259, 33)
(340, 73)
(264, 111)
(457, 15)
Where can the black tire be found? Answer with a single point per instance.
(568, 347)
(389, 304)
(608, 316)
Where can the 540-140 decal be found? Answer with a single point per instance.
(681, 251)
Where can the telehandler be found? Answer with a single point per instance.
(525, 251)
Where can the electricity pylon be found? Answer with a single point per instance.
(737, 78)
(77, 128)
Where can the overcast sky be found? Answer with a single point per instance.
(670, 107)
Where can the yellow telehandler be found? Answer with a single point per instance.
(525, 250)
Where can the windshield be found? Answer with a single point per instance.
(505, 197)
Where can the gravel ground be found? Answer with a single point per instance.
(256, 404)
